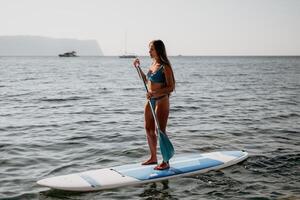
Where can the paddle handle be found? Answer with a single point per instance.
(151, 107)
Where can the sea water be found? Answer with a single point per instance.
(67, 115)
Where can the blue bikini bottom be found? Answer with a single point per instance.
(153, 100)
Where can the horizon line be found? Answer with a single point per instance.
(251, 55)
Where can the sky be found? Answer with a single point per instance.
(187, 27)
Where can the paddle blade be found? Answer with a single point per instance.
(166, 147)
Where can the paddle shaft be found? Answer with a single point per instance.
(152, 109)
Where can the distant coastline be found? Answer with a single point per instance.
(46, 46)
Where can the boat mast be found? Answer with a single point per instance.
(125, 42)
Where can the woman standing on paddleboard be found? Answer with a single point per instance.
(161, 82)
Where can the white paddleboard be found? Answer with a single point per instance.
(136, 173)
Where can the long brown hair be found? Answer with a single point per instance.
(160, 49)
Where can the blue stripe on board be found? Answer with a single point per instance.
(90, 180)
(233, 153)
(182, 158)
(146, 173)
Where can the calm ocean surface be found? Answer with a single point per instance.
(66, 115)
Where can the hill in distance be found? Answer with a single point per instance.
(46, 46)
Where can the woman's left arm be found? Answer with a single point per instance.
(170, 85)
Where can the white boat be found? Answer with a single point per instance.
(127, 55)
(69, 54)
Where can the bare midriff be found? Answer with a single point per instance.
(154, 86)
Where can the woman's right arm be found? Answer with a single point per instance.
(144, 76)
(136, 64)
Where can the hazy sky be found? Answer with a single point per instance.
(188, 27)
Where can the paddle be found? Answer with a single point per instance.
(166, 147)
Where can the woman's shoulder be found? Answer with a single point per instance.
(166, 67)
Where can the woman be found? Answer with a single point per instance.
(161, 82)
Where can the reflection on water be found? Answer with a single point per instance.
(159, 190)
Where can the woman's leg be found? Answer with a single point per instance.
(151, 136)
(162, 113)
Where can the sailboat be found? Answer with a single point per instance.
(126, 55)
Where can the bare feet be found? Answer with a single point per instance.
(150, 162)
(162, 166)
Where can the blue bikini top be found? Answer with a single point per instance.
(158, 76)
